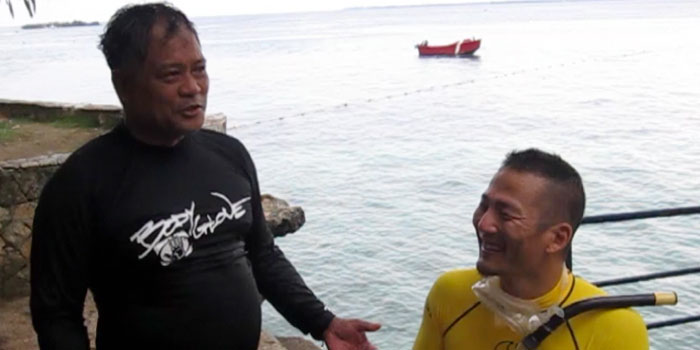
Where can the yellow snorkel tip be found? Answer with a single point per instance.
(666, 298)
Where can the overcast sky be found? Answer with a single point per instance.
(100, 10)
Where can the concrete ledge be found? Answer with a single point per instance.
(106, 115)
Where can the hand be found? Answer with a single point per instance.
(349, 334)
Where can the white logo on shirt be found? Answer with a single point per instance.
(172, 240)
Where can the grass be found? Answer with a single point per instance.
(6, 132)
(69, 121)
(9, 130)
(75, 121)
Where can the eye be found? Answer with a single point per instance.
(199, 70)
(505, 215)
(170, 75)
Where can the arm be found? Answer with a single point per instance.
(59, 264)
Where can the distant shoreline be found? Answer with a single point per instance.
(59, 25)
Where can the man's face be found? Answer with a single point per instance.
(507, 223)
(167, 96)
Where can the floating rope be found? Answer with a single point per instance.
(429, 89)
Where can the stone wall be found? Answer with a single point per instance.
(21, 182)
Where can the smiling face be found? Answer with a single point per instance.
(166, 96)
(508, 222)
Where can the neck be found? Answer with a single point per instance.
(152, 137)
(533, 285)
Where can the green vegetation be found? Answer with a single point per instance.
(10, 129)
(6, 132)
(75, 121)
(69, 121)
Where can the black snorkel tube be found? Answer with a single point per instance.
(533, 340)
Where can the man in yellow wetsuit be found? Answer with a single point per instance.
(524, 224)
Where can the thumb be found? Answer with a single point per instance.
(366, 326)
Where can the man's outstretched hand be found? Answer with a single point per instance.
(349, 334)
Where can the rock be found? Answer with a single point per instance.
(297, 343)
(30, 181)
(24, 274)
(268, 342)
(4, 215)
(24, 212)
(16, 233)
(281, 218)
(14, 263)
(2, 254)
(10, 192)
(11, 272)
(215, 122)
(26, 249)
(14, 287)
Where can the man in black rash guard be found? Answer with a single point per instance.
(162, 221)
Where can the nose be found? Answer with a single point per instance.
(486, 223)
(190, 86)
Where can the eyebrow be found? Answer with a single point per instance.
(179, 65)
(501, 203)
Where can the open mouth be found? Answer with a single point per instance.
(192, 110)
(492, 247)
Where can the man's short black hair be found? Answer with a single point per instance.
(128, 33)
(566, 195)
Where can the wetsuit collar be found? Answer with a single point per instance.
(521, 315)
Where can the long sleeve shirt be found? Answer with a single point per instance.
(172, 242)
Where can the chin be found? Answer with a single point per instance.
(190, 125)
(485, 269)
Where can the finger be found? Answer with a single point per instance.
(366, 326)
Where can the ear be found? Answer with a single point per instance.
(559, 237)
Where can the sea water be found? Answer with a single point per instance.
(388, 153)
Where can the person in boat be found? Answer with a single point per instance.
(524, 223)
(163, 221)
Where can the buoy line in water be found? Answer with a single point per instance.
(431, 89)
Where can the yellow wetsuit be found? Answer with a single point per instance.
(454, 319)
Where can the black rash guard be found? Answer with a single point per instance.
(172, 241)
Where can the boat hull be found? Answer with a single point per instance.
(460, 48)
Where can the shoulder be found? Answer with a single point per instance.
(582, 289)
(454, 284)
(451, 295)
(626, 318)
(85, 162)
(618, 329)
(223, 144)
(610, 328)
(71, 184)
(211, 137)
(458, 278)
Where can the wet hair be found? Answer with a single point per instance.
(567, 199)
(127, 35)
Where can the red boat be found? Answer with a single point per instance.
(460, 48)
